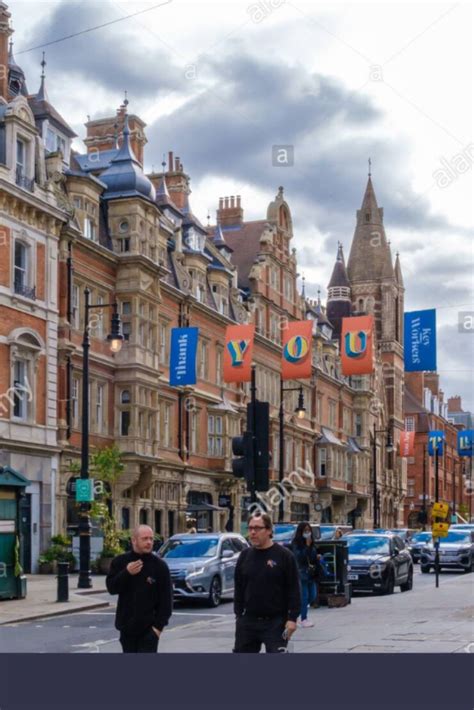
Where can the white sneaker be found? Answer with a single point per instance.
(307, 624)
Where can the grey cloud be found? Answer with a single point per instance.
(112, 57)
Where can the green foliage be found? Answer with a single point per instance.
(18, 569)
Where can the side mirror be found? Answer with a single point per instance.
(226, 554)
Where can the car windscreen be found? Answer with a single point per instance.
(421, 537)
(461, 536)
(281, 529)
(367, 545)
(183, 548)
(327, 531)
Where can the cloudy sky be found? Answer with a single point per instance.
(222, 83)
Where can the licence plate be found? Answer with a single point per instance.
(352, 577)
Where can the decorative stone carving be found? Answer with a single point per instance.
(57, 185)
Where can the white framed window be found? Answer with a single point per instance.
(99, 409)
(20, 156)
(20, 389)
(89, 229)
(219, 372)
(203, 360)
(21, 267)
(100, 317)
(76, 295)
(409, 423)
(358, 424)
(165, 428)
(193, 439)
(163, 344)
(75, 401)
(215, 442)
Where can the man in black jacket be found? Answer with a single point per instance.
(267, 597)
(142, 581)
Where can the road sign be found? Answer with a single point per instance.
(440, 529)
(440, 510)
(84, 490)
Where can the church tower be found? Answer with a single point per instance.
(377, 289)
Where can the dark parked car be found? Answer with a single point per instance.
(378, 562)
(456, 551)
(417, 542)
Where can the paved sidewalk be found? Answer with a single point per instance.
(41, 601)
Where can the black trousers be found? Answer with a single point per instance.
(252, 632)
(145, 643)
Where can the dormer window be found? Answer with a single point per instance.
(194, 240)
(55, 142)
(20, 156)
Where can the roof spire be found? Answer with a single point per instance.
(42, 94)
(370, 167)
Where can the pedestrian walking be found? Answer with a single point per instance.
(309, 569)
(266, 592)
(143, 584)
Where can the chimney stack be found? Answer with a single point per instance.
(230, 212)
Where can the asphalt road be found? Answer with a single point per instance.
(94, 632)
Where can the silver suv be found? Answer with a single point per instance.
(202, 565)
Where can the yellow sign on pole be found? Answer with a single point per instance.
(440, 510)
(440, 529)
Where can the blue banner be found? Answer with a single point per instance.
(183, 356)
(465, 442)
(435, 442)
(420, 340)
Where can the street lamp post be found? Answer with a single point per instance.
(300, 411)
(115, 339)
(375, 492)
(425, 514)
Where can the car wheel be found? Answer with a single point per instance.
(390, 584)
(215, 592)
(409, 583)
(425, 569)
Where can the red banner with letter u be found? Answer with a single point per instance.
(357, 345)
(238, 353)
(296, 353)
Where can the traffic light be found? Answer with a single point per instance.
(243, 466)
(262, 454)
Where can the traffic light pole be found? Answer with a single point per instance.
(424, 487)
(253, 425)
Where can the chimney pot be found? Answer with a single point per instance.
(176, 164)
(232, 202)
(238, 200)
(221, 202)
(170, 161)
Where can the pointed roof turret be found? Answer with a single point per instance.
(16, 75)
(398, 270)
(339, 278)
(42, 94)
(219, 240)
(125, 177)
(370, 258)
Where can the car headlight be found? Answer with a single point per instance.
(377, 567)
(196, 572)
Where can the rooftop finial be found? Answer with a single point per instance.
(319, 296)
(303, 288)
(43, 64)
(42, 95)
(208, 217)
(10, 48)
(370, 167)
(125, 101)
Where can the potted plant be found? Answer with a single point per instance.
(58, 551)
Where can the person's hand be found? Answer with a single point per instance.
(290, 627)
(134, 567)
(156, 631)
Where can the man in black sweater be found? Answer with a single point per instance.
(143, 583)
(266, 592)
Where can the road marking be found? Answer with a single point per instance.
(98, 613)
(39, 626)
(66, 627)
(92, 627)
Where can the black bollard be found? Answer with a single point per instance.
(63, 582)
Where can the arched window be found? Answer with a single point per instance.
(124, 413)
(25, 348)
